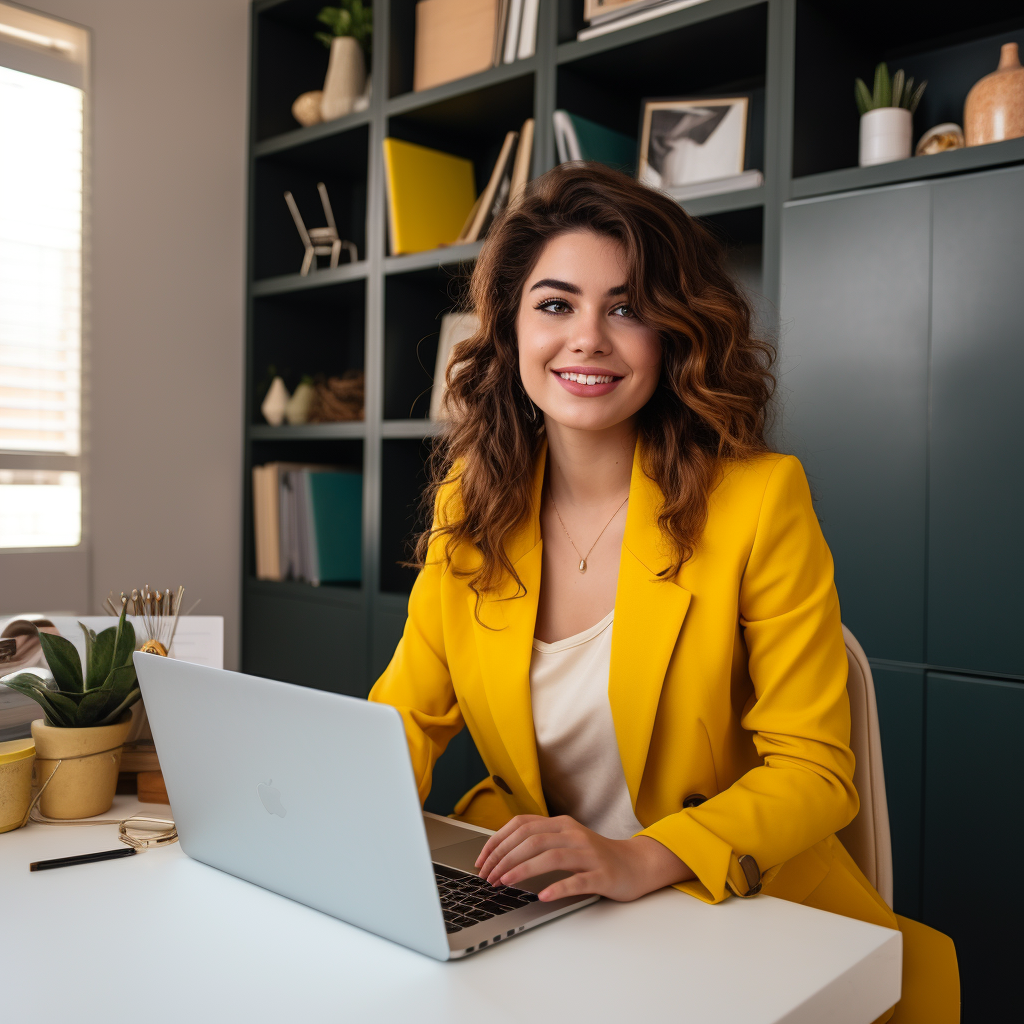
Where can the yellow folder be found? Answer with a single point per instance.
(430, 194)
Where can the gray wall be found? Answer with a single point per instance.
(165, 314)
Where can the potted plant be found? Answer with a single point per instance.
(886, 116)
(351, 31)
(87, 718)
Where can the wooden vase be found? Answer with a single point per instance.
(994, 110)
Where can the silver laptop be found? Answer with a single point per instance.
(311, 795)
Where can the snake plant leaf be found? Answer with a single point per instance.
(120, 681)
(100, 656)
(897, 88)
(862, 96)
(94, 706)
(916, 98)
(90, 639)
(883, 86)
(65, 664)
(124, 642)
(60, 710)
(114, 715)
(908, 88)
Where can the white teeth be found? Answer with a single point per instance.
(587, 378)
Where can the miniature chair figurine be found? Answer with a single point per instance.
(319, 241)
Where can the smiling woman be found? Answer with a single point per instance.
(625, 595)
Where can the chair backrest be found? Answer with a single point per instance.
(867, 838)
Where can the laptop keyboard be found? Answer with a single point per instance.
(467, 900)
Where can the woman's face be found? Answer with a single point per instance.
(585, 359)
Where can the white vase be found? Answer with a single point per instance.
(276, 403)
(346, 76)
(885, 135)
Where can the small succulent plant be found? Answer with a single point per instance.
(897, 91)
(108, 687)
(350, 18)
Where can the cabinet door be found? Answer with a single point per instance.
(976, 548)
(852, 396)
(899, 693)
(973, 834)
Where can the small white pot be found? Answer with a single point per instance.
(346, 77)
(885, 135)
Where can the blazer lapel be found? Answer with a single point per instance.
(649, 613)
(505, 646)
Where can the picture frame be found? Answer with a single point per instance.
(684, 140)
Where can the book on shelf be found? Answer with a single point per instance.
(455, 327)
(307, 521)
(429, 194)
(716, 186)
(456, 38)
(611, 16)
(506, 183)
(577, 138)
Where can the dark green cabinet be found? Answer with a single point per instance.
(853, 379)
(899, 693)
(973, 836)
(976, 543)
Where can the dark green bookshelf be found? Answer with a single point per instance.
(796, 58)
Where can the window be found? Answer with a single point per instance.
(42, 122)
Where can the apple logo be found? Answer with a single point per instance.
(270, 797)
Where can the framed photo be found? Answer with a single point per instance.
(683, 141)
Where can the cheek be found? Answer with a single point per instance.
(646, 362)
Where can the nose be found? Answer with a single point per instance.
(591, 337)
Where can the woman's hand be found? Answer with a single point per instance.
(621, 869)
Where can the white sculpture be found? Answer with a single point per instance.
(319, 241)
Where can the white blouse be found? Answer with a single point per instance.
(579, 757)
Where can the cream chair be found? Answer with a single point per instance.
(867, 836)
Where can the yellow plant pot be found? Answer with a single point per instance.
(16, 757)
(90, 759)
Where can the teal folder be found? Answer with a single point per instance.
(604, 145)
(336, 515)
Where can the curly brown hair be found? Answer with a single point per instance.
(710, 404)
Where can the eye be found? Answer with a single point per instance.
(624, 310)
(554, 306)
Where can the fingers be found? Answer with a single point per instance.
(519, 828)
(529, 848)
(560, 858)
(583, 883)
(503, 833)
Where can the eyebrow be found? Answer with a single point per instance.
(565, 286)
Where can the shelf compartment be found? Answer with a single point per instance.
(340, 162)
(402, 45)
(299, 137)
(289, 60)
(470, 124)
(404, 477)
(742, 233)
(711, 56)
(311, 332)
(835, 46)
(413, 306)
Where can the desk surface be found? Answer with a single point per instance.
(168, 939)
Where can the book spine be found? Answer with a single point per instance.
(636, 19)
(528, 31)
(512, 30)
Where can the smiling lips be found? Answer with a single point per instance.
(586, 381)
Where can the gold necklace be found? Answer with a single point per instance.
(583, 558)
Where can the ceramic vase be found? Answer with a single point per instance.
(276, 403)
(346, 76)
(994, 110)
(16, 758)
(85, 782)
(297, 411)
(885, 135)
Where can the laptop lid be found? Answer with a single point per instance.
(307, 793)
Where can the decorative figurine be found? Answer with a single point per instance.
(319, 241)
(276, 403)
(306, 109)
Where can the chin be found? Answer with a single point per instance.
(575, 418)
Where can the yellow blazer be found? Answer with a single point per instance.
(727, 683)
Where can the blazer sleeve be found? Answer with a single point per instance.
(799, 712)
(417, 681)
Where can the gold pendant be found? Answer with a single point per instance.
(583, 565)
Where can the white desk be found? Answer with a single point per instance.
(161, 938)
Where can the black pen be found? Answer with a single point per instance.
(85, 858)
